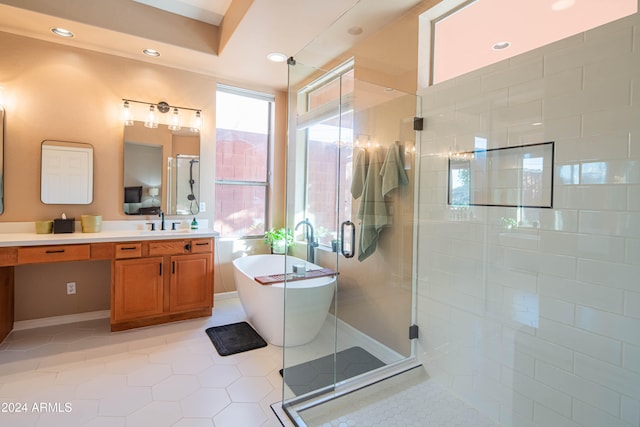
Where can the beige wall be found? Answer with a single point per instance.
(63, 93)
(389, 57)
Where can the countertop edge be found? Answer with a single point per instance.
(33, 239)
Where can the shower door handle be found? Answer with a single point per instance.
(351, 252)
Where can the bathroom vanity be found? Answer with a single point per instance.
(155, 277)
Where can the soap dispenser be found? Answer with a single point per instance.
(194, 224)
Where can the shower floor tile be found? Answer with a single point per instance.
(406, 400)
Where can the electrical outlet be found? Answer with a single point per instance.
(203, 207)
(71, 288)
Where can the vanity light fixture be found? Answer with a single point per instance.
(62, 32)
(127, 117)
(151, 121)
(197, 123)
(175, 120)
(151, 52)
(154, 115)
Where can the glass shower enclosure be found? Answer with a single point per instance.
(350, 201)
(183, 172)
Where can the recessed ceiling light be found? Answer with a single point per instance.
(277, 57)
(562, 4)
(61, 32)
(501, 45)
(151, 52)
(355, 31)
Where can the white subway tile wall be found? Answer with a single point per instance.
(538, 324)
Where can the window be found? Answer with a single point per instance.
(502, 29)
(243, 137)
(329, 145)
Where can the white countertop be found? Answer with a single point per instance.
(23, 234)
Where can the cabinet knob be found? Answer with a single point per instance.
(187, 247)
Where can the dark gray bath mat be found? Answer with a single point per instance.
(235, 338)
(318, 373)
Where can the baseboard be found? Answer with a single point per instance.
(60, 320)
(91, 315)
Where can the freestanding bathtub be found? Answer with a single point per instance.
(307, 301)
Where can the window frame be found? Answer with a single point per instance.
(310, 116)
(270, 99)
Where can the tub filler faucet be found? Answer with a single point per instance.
(312, 243)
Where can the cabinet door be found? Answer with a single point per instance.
(137, 288)
(190, 282)
(6, 301)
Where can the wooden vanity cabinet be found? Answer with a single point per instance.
(152, 281)
(6, 301)
(137, 289)
(161, 281)
(190, 286)
(8, 258)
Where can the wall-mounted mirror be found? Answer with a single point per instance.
(1, 160)
(66, 174)
(161, 171)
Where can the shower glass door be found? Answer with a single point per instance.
(350, 196)
(182, 183)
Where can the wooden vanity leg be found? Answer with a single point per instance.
(6, 301)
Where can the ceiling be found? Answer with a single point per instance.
(209, 11)
(229, 39)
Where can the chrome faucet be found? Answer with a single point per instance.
(161, 215)
(312, 243)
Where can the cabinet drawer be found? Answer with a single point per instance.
(201, 246)
(102, 250)
(37, 254)
(167, 247)
(128, 250)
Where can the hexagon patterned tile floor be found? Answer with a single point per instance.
(410, 399)
(81, 374)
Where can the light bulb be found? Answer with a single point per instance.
(127, 119)
(197, 123)
(175, 120)
(151, 122)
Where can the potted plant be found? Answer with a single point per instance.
(278, 240)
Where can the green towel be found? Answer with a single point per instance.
(392, 172)
(372, 212)
(359, 172)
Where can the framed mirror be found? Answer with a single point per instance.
(66, 173)
(1, 159)
(161, 171)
